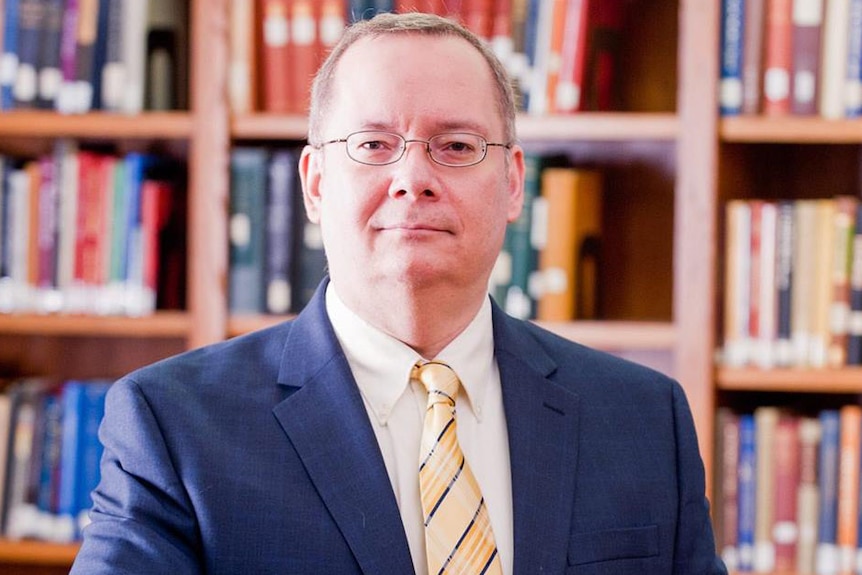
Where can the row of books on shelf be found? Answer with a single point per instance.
(49, 456)
(276, 253)
(76, 56)
(793, 283)
(549, 266)
(788, 490)
(90, 232)
(562, 54)
(801, 57)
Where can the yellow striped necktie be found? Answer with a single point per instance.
(458, 534)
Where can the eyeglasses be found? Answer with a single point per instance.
(456, 149)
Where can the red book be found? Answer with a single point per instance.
(275, 55)
(568, 96)
(785, 527)
(305, 53)
(90, 249)
(752, 54)
(605, 30)
(155, 212)
(807, 26)
(777, 57)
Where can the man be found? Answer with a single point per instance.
(298, 449)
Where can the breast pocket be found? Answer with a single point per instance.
(613, 545)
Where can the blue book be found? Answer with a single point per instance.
(136, 167)
(854, 61)
(827, 521)
(281, 194)
(93, 410)
(747, 491)
(31, 21)
(531, 43)
(73, 400)
(247, 230)
(730, 87)
(9, 55)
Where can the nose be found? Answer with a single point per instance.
(415, 175)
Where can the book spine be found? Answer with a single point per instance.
(833, 64)
(821, 305)
(805, 224)
(570, 84)
(854, 325)
(844, 223)
(113, 69)
(766, 420)
(65, 100)
(747, 491)
(853, 84)
(847, 528)
(50, 77)
(275, 55)
(785, 527)
(247, 230)
(31, 20)
(778, 57)
(807, 495)
(304, 19)
(807, 26)
(767, 306)
(9, 55)
(730, 85)
(134, 47)
(727, 512)
(752, 53)
(784, 275)
(519, 300)
(827, 521)
(280, 201)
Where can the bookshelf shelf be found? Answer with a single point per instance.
(37, 553)
(162, 324)
(148, 125)
(844, 380)
(583, 126)
(790, 129)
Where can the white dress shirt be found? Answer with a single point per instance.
(381, 365)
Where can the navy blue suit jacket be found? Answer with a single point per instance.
(256, 455)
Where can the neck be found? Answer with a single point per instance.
(426, 319)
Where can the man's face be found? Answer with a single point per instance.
(412, 221)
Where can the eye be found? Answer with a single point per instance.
(456, 145)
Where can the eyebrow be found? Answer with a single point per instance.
(439, 127)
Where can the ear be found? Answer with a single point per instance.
(309, 177)
(515, 183)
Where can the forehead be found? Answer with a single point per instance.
(410, 81)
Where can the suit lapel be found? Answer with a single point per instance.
(327, 423)
(542, 421)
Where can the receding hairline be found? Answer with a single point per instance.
(399, 25)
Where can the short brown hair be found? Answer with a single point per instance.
(408, 23)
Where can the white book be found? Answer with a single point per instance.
(833, 62)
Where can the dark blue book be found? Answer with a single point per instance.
(9, 55)
(49, 73)
(90, 455)
(747, 491)
(31, 16)
(280, 202)
(854, 61)
(247, 230)
(730, 86)
(827, 521)
(100, 52)
(784, 283)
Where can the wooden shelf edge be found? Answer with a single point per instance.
(599, 126)
(616, 335)
(37, 553)
(47, 124)
(582, 126)
(798, 380)
(790, 129)
(166, 324)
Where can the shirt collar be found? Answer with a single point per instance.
(381, 364)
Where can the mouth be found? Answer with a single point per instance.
(414, 228)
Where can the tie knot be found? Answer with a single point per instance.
(439, 379)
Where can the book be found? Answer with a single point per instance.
(85, 56)
(605, 35)
(763, 260)
(9, 55)
(777, 58)
(847, 528)
(827, 518)
(280, 202)
(854, 324)
(569, 91)
(275, 55)
(853, 83)
(134, 49)
(726, 517)
(737, 293)
(804, 261)
(766, 421)
(844, 223)
(785, 527)
(113, 70)
(242, 67)
(833, 58)
(820, 307)
(784, 277)
(808, 499)
(166, 57)
(65, 99)
(247, 230)
(752, 54)
(31, 21)
(568, 263)
(806, 36)
(730, 84)
(747, 490)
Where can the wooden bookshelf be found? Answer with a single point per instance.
(793, 380)
(791, 130)
(36, 553)
(46, 124)
(159, 325)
